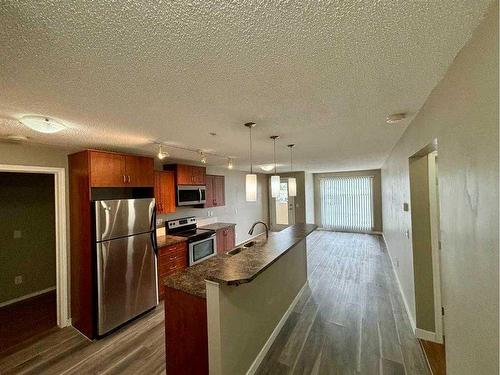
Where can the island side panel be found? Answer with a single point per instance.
(242, 318)
(186, 338)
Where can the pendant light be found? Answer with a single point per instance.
(292, 181)
(251, 178)
(229, 163)
(203, 157)
(275, 179)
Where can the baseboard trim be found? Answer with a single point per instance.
(260, 357)
(425, 335)
(22, 298)
(405, 302)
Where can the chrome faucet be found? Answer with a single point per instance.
(250, 232)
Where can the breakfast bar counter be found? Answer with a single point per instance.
(220, 313)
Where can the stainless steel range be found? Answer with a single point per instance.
(202, 243)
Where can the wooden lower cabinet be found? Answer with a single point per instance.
(171, 259)
(225, 239)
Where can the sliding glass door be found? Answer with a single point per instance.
(347, 203)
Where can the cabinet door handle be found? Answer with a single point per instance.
(128, 179)
(124, 179)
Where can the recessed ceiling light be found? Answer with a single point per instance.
(395, 117)
(42, 124)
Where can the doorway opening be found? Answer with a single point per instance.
(33, 271)
(426, 243)
(282, 207)
(28, 268)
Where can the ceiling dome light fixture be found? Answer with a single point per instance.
(229, 163)
(395, 117)
(251, 178)
(267, 167)
(292, 181)
(162, 154)
(42, 124)
(275, 179)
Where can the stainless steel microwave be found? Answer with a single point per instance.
(190, 195)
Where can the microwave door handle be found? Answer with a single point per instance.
(199, 193)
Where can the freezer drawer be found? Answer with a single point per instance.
(126, 280)
(123, 217)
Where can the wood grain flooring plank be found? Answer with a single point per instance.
(350, 320)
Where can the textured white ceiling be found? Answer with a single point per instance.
(321, 74)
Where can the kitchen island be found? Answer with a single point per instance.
(222, 314)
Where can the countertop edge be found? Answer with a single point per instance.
(250, 279)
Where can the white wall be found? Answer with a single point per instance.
(462, 113)
(309, 192)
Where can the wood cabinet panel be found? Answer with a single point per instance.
(225, 239)
(107, 169)
(164, 191)
(139, 170)
(187, 174)
(184, 174)
(220, 193)
(171, 259)
(215, 193)
(210, 191)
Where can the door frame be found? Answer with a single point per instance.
(435, 219)
(272, 205)
(61, 234)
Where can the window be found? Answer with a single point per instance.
(347, 203)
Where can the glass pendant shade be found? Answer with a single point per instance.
(275, 186)
(251, 187)
(292, 187)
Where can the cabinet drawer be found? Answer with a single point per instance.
(177, 264)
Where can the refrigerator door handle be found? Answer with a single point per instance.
(153, 231)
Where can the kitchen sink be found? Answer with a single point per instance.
(250, 244)
(235, 251)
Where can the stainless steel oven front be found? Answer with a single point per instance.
(202, 249)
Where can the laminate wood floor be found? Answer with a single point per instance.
(26, 319)
(436, 356)
(350, 320)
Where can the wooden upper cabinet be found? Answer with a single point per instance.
(215, 193)
(139, 170)
(108, 169)
(184, 174)
(220, 190)
(209, 192)
(199, 175)
(188, 174)
(165, 192)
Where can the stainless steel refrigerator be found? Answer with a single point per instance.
(127, 283)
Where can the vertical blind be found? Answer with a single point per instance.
(347, 203)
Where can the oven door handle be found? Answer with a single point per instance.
(199, 193)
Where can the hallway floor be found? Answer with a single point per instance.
(350, 320)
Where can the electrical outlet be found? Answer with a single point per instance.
(17, 234)
(407, 233)
(18, 279)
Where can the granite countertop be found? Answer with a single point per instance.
(217, 226)
(242, 267)
(169, 240)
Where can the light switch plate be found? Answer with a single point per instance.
(18, 279)
(17, 234)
